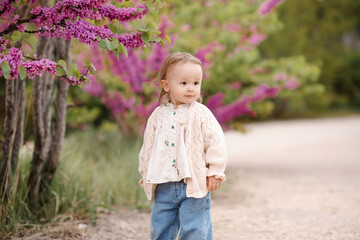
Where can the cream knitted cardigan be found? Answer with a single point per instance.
(205, 147)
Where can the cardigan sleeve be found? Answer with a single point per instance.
(214, 146)
(148, 142)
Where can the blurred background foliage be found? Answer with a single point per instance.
(300, 60)
(314, 42)
(327, 31)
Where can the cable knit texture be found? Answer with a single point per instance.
(205, 147)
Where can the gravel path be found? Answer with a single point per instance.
(295, 179)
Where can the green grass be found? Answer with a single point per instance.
(97, 171)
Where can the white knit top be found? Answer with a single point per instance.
(205, 149)
(168, 161)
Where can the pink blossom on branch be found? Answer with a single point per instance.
(280, 77)
(268, 6)
(14, 58)
(264, 91)
(82, 9)
(38, 67)
(204, 53)
(6, 7)
(292, 84)
(256, 38)
(215, 100)
(94, 88)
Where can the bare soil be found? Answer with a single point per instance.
(295, 179)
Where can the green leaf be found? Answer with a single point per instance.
(152, 25)
(16, 36)
(113, 28)
(22, 72)
(168, 39)
(102, 44)
(32, 40)
(145, 37)
(5, 67)
(113, 44)
(162, 43)
(117, 51)
(108, 45)
(122, 49)
(62, 63)
(60, 71)
(75, 70)
(118, 24)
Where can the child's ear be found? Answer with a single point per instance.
(164, 85)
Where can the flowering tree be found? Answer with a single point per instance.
(48, 62)
(238, 82)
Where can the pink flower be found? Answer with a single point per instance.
(292, 83)
(94, 88)
(256, 39)
(203, 53)
(215, 100)
(268, 6)
(185, 28)
(235, 86)
(280, 77)
(258, 71)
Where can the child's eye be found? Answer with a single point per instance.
(196, 83)
(183, 83)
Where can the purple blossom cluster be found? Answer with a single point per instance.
(14, 58)
(203, 54)
(159, 53)
(117, 103)
(65, 20)
(38, 67)
(256, 38)
(82, 9)
(264, 91)
(225, 113)
(289, 83)
(268, 6)
(6, 7)
(94, 88)
(131, 40)
(33, 67)
(71, 80)
(3, 44)
(123, 14)
(130, 69)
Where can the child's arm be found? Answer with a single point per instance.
(147, 144)
(215, 149)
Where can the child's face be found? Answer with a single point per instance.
(183, 83)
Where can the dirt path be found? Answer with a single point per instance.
(286, 180)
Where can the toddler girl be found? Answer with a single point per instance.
(183, 155)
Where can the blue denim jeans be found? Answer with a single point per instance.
(175, 215)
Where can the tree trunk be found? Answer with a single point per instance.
(41, 118)
(48, 137)
(58, 132)
(20, 116)
(10, 109)
(14, 121)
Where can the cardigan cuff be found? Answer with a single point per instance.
(217, 175)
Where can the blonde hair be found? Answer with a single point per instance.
(168, 64)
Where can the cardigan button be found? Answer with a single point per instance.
(190, 191)
(166, 142)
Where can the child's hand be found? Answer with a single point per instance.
(213, 183)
